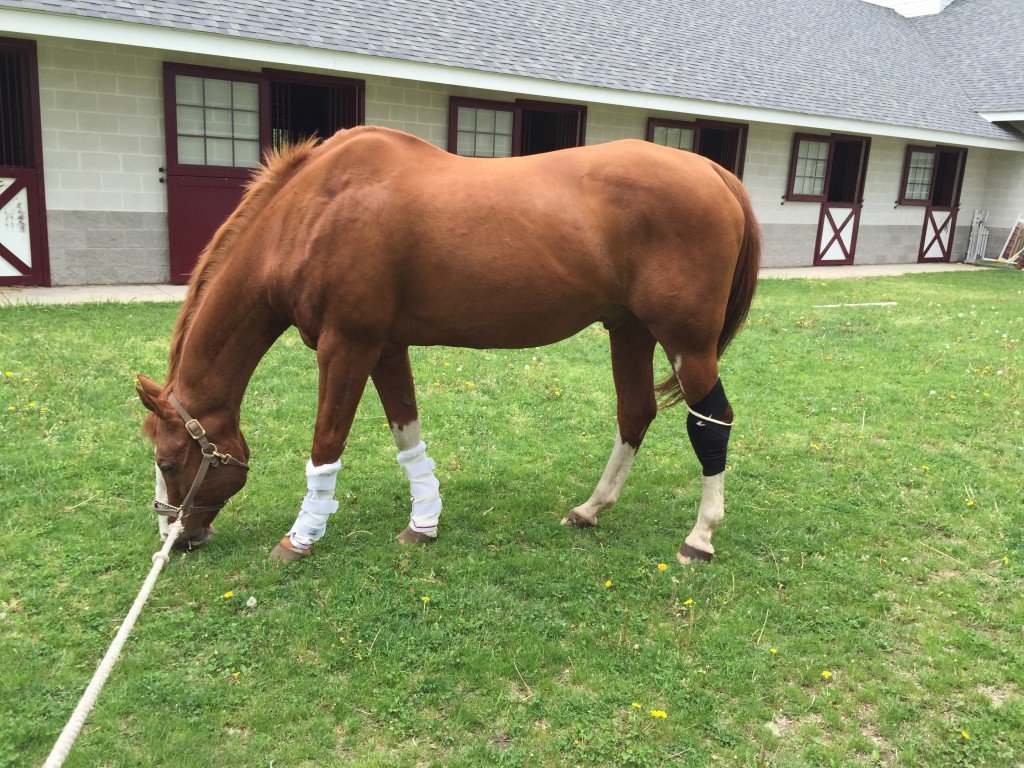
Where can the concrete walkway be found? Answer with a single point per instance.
(80, 294)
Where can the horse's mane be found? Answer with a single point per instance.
(276, 169)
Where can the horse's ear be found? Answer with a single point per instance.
(151, 397)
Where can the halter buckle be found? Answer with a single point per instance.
(195, 429)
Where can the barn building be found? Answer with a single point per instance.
(865, 132)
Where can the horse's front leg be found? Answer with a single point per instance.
(344, 368)
(392, 377)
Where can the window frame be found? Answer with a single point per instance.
(516, 108)
(935, 151)
(171, 71)
(696, 126)
(790, 195)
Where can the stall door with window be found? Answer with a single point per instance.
(830, 170)
(23, 253)
(725, 143)
(482, 128)
(932, 177)
(219, 123)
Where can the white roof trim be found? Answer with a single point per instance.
(36, 23)
(1003, 117)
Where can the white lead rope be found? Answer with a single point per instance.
(60, 750)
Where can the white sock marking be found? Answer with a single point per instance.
(610, 486)
(710, 513)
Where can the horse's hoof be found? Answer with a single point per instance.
(409, 536)
(284, 552)
(688, 555)
(577, 520)
(192, 539)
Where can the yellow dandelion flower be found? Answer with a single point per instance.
(659, 713)
(1006, 560)
(635, 705)
(773, 650)
(662, 567)
(952, 397)
(826, 674)
(470, 384)
(25, 378)
(965, 735)
(32, 404)
(924, 468)
(234, 675)
(228, 595)
(425, 599)
(970, 502)
(815, 446)
(8, 373)
(608, 584)
(10, 408)
(688, 601)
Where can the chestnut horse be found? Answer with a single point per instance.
(375, 241)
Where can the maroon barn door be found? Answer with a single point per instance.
(843, 188)
(219, 123)
(23, 247)
(933, 178)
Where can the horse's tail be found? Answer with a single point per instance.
(741, 294)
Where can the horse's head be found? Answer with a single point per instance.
(199, 465)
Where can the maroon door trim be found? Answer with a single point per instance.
(931, 236)
(848, 213)
(30, 176)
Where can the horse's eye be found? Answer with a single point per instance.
(167, 468)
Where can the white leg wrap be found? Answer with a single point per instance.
(161, 495)
(317, 506)
(424, 488)
(710, 514)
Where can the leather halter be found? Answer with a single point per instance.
(211, 458)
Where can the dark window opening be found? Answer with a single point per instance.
(545, 131)
(947, 174)
(718, 145)
(300, 111)
(845, 171)
(14, 134)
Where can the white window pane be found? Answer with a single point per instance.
(247, 154)
(467, 119)
(218, 122)
(247, 125)
(672, 137)
(503, 122)
(485, 120)
(191, 151)
(188, 90)
(660, 134)
(246, 96)
(466, 143)
(686, 140)
(190, 120)
(502, 146)
(217, 93)
(218, 152)
(484, 145)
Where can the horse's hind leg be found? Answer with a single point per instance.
(392, 377)
(632, 369)
(708, 424)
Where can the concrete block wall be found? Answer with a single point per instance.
(103, 143)
(1003, 197)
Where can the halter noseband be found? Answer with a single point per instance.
(211, 457)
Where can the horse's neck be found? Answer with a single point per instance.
(230, 333)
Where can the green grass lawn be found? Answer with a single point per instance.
(873, 531)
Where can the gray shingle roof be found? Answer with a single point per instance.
(839, 58)
(982, 42)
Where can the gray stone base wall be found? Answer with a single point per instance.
(996, 240)
(107, 247)
(792, 245)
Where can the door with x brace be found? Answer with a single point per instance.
(837, 233)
